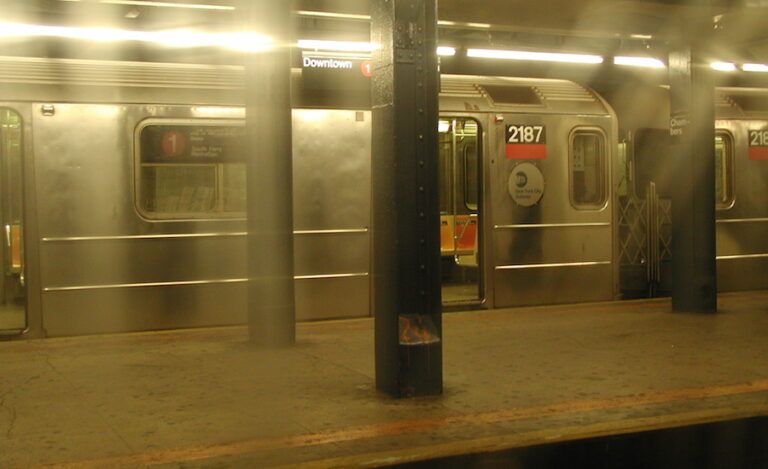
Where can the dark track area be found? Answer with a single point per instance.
(731, 444)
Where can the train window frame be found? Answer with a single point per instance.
(604, 168)
(479, 172)
(138, 164)
(730, 170)
(450, 119)
(21, 269)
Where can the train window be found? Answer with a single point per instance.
(190, 169)
(723, 170)
(445, 152)
(588, 168)
(178, 189)
(459, 163)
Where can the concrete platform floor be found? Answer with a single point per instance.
(512, 378)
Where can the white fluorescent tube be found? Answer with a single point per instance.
(446, 51)
(536, 56)
(755, 68)
(243, 41)
(723, 66)
(648, 62)
(339, 46)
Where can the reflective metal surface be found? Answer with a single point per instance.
(99, 257)
(741, 230)
(550, 252)
(13, 294)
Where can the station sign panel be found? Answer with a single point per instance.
(192, 143)
(526, 142)
(326, 71)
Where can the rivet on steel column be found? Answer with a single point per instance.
(406, 219)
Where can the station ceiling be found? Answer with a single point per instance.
(734, 29)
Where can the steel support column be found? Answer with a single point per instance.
(692, 126)
(406, 219)
(271, 307)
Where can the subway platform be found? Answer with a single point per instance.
(513, 379)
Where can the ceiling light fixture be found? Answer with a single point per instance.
(191, 6)
(446, 51)
(146, 3)
(340, 46)
(535, 56)
(723, 66)
(648, 62)
(755, 68)
(240, 41)
(328, 14)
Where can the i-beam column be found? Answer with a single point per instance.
(268, 153)
(406, 218)
(692, 126)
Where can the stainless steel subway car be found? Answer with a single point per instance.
(123, 195)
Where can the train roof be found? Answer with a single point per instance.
(76, 80)
(461, 93)
(741, 103)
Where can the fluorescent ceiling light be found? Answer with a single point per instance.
(240, 41)
(341, 46)
(146, 3)
(479, 25)
(537, 56)
(649, 62)
(328, 14)
(446, 51)
(723, 66)
(192, 6)
(755, 68)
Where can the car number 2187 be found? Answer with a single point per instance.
(526, 134)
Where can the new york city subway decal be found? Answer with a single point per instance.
(526, 142)
(758, 144)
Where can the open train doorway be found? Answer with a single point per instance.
(460, 210)
(13, 316)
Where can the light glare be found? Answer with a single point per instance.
(244, 41)
(536, 56)
(341, 46)
(446, 51)
(755, 68)
(648, 62)
(723, 66)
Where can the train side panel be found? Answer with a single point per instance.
(742, 229)
(104, 268)
(554, 251)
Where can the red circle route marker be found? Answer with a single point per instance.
(174, 143)
(366, 68)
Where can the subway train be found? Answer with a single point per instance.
(123, 197)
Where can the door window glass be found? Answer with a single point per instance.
(12, 281)
(191, 170)
(588, 169)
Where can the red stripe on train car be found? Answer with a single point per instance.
(758, 153)
(532, 151)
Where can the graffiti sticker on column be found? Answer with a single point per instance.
(526, 184)
(758, 144)
(526, 142)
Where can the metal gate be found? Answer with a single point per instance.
(645, 244)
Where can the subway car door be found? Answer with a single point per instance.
(13, 317)
(460, 210)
